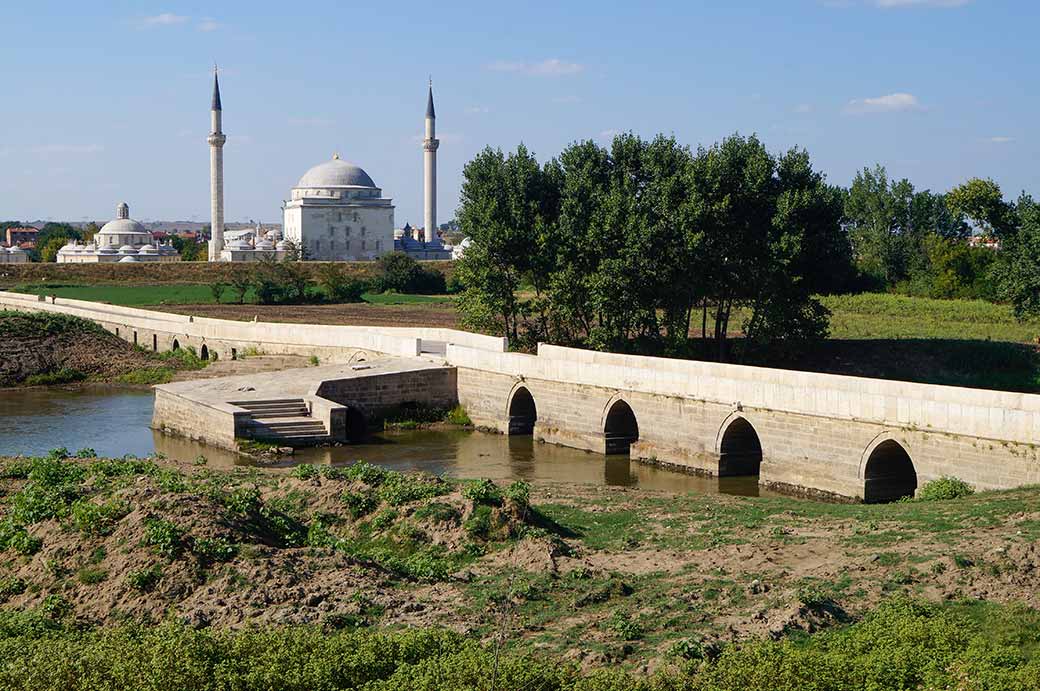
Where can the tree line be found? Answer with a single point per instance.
(637, 245)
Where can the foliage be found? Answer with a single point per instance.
(337, 286)
(944, 488)
(617, 249)
(399, 273)
(519, 492)
(65, 375)
(144, 579)
(213, 549)
(93, 519)
(1018, 274)
(981, 202)
(483, 491)
(458, 416)
(360, 503)
(164, 536)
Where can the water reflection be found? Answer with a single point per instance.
(115, 422)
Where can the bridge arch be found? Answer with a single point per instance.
(620, 427)
(522, 412)
(887, 470)
(739, 447)
(176, 345)
(204, 353)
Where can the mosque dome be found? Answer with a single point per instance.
(127, 249)
(335, 173)
(122, 224)
(128, 260)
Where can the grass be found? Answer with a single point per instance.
(186, 294)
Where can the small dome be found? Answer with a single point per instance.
(282, 245)
(335, 173)
(128, 249)
(127, 260)
(147, 249)
(17, 250)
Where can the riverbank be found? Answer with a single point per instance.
(598, 577)
(46, 349)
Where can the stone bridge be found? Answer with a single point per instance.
(849, 437)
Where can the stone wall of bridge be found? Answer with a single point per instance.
(841, 436)
(846, 436)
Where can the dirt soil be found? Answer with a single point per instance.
(558, 578)
(358, 314)
(244, 365)
(93, 352)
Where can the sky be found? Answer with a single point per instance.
(109, 101)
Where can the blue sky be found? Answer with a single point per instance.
(109, 101)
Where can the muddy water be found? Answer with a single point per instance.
(115, 421)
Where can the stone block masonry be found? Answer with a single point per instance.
(843, 436)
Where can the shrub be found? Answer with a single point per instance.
(384, 519)
(144, 579)
(366, 472)
(97, 519)
(439, 512)
(479, 522)
(398, 488)
(305, 471)
(519, 492)
(400, 273)
(624, 627)
(164, 536)
(11, 586)
(213, 549)
(458, 416)
(17, 538)
(337, 286)
(482, 491)
(86, 453)
(944, 488)
(360, 503)
(55, 607)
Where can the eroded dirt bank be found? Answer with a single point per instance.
(593, 574)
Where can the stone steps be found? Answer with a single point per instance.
(284, 420)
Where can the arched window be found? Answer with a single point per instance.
(522, 412)
(740, 452)
(889, 474)
(621, 428)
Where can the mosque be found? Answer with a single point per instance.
(336, 212)
(122, 240)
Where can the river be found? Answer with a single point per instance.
(115, 421)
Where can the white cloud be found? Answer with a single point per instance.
(165, 19)
(68, 149)
(1000, 140)
(891, 103)
(208, 24)
(553, 67)
(609, 134)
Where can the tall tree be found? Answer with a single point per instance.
(1018, 274)
(982, 203)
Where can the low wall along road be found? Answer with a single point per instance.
(843, 436)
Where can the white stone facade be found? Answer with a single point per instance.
(336, 213)
(120, 240)
(13, 255)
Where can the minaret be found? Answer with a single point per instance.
(430, 144)
(216, 141)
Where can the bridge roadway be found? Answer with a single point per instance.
(849, 437)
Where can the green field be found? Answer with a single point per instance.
(186, 294)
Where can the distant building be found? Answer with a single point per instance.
(255, 245)
(411, 241)
(16, 236)
(13, 255)
(337, 213)
(122, 240)
(985, 241)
